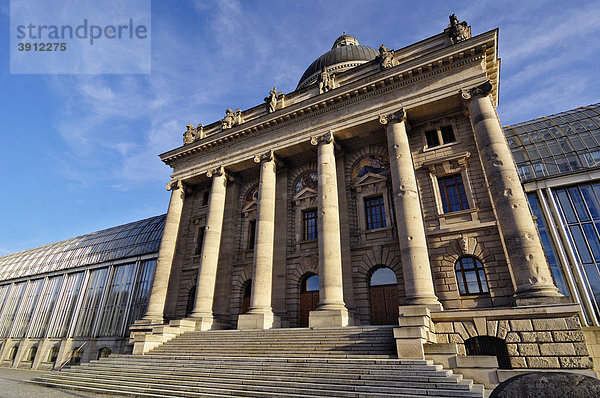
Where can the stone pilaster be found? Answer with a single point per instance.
(418, 281)
(331, 311)
(164, 263)
(207, 273)
(529, 266)
(260, 314)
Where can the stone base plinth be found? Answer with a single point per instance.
(328, 318)
(262, 320)
(204, 322)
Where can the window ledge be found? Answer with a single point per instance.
(458, 212)
(433, 148)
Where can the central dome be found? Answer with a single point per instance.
(345, 54)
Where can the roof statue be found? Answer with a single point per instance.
(459, 31)
(272, 99)
(326, 81)
(228, 120)
(192, 134)
(386, 57)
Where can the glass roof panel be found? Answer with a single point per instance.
(136, 238)
(564, 143)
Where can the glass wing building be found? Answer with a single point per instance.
(558, 159)
(74, 300)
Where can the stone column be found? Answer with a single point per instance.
(418, 281)
(331, 311)
(260, 313)
(207, 273)
(530, 269)
(158, 294)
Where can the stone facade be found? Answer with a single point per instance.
(288, 192)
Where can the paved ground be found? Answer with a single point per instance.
(13, 384)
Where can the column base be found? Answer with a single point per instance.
(540, 295)
(258, 320)
(335, 318)
(203, 322)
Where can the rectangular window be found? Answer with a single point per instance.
(309, 218)
(251, 234)
(452, 193)
(119, 290)
(199, 240)
(46, 306)
(89, 309)
(375, 212)
(205, 198)
(439, 136)
(141, 292)
(65, 308)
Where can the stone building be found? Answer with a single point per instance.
(381, 191)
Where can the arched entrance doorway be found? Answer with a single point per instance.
(246, 294)
(383, 294)
(309, 297)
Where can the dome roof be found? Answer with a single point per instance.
(345, 54)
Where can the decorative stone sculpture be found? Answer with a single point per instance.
(386, 57)
(237, 117)
(326, 81)
(189, 135)
(459, 31)
(192, 134)
(272, 100)
(228, 120)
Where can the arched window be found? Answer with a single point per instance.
(487, 345)
(310, 283)
(470, 276)
(191, 300)
(382, 276)
(246, 295)
(104, 352)
(13, 353)
(53, 354)
(32, 353)
(76, 356)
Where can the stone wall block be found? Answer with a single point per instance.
(573, 323)
(529, 349)
(543, 362)
(581, 349)
(513, 337)
(492, 328)
(512, 350)
(442, 338)
(444, 327)
(518, 362)
(576, 362)
(503, 328)
(455, 338)
(570, 335)
(518, 325)
(459, 327)
(536, 337)
(470, 328)
(562, 349)
(550, 324)
(481, 326)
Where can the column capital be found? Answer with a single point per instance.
(219, 171)
(326, 138)
(177, 184)
(483, 90)
(265, 157)
(398, 116)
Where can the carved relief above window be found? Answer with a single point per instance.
(305, 202)
(370, 181)
(452, 189)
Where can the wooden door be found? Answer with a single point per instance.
(308, 303)
(384, 304)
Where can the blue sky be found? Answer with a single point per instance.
(79, 152)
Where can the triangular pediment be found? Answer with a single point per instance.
(370, 178)
(252, 206)
(305, 193)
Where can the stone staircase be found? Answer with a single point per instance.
(345, 362)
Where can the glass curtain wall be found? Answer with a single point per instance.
(66, 305)
(139, 303)
(25, 311)
(580, 211)
(88, 313)
(10, 308)
(45, 307)
(117, 298)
